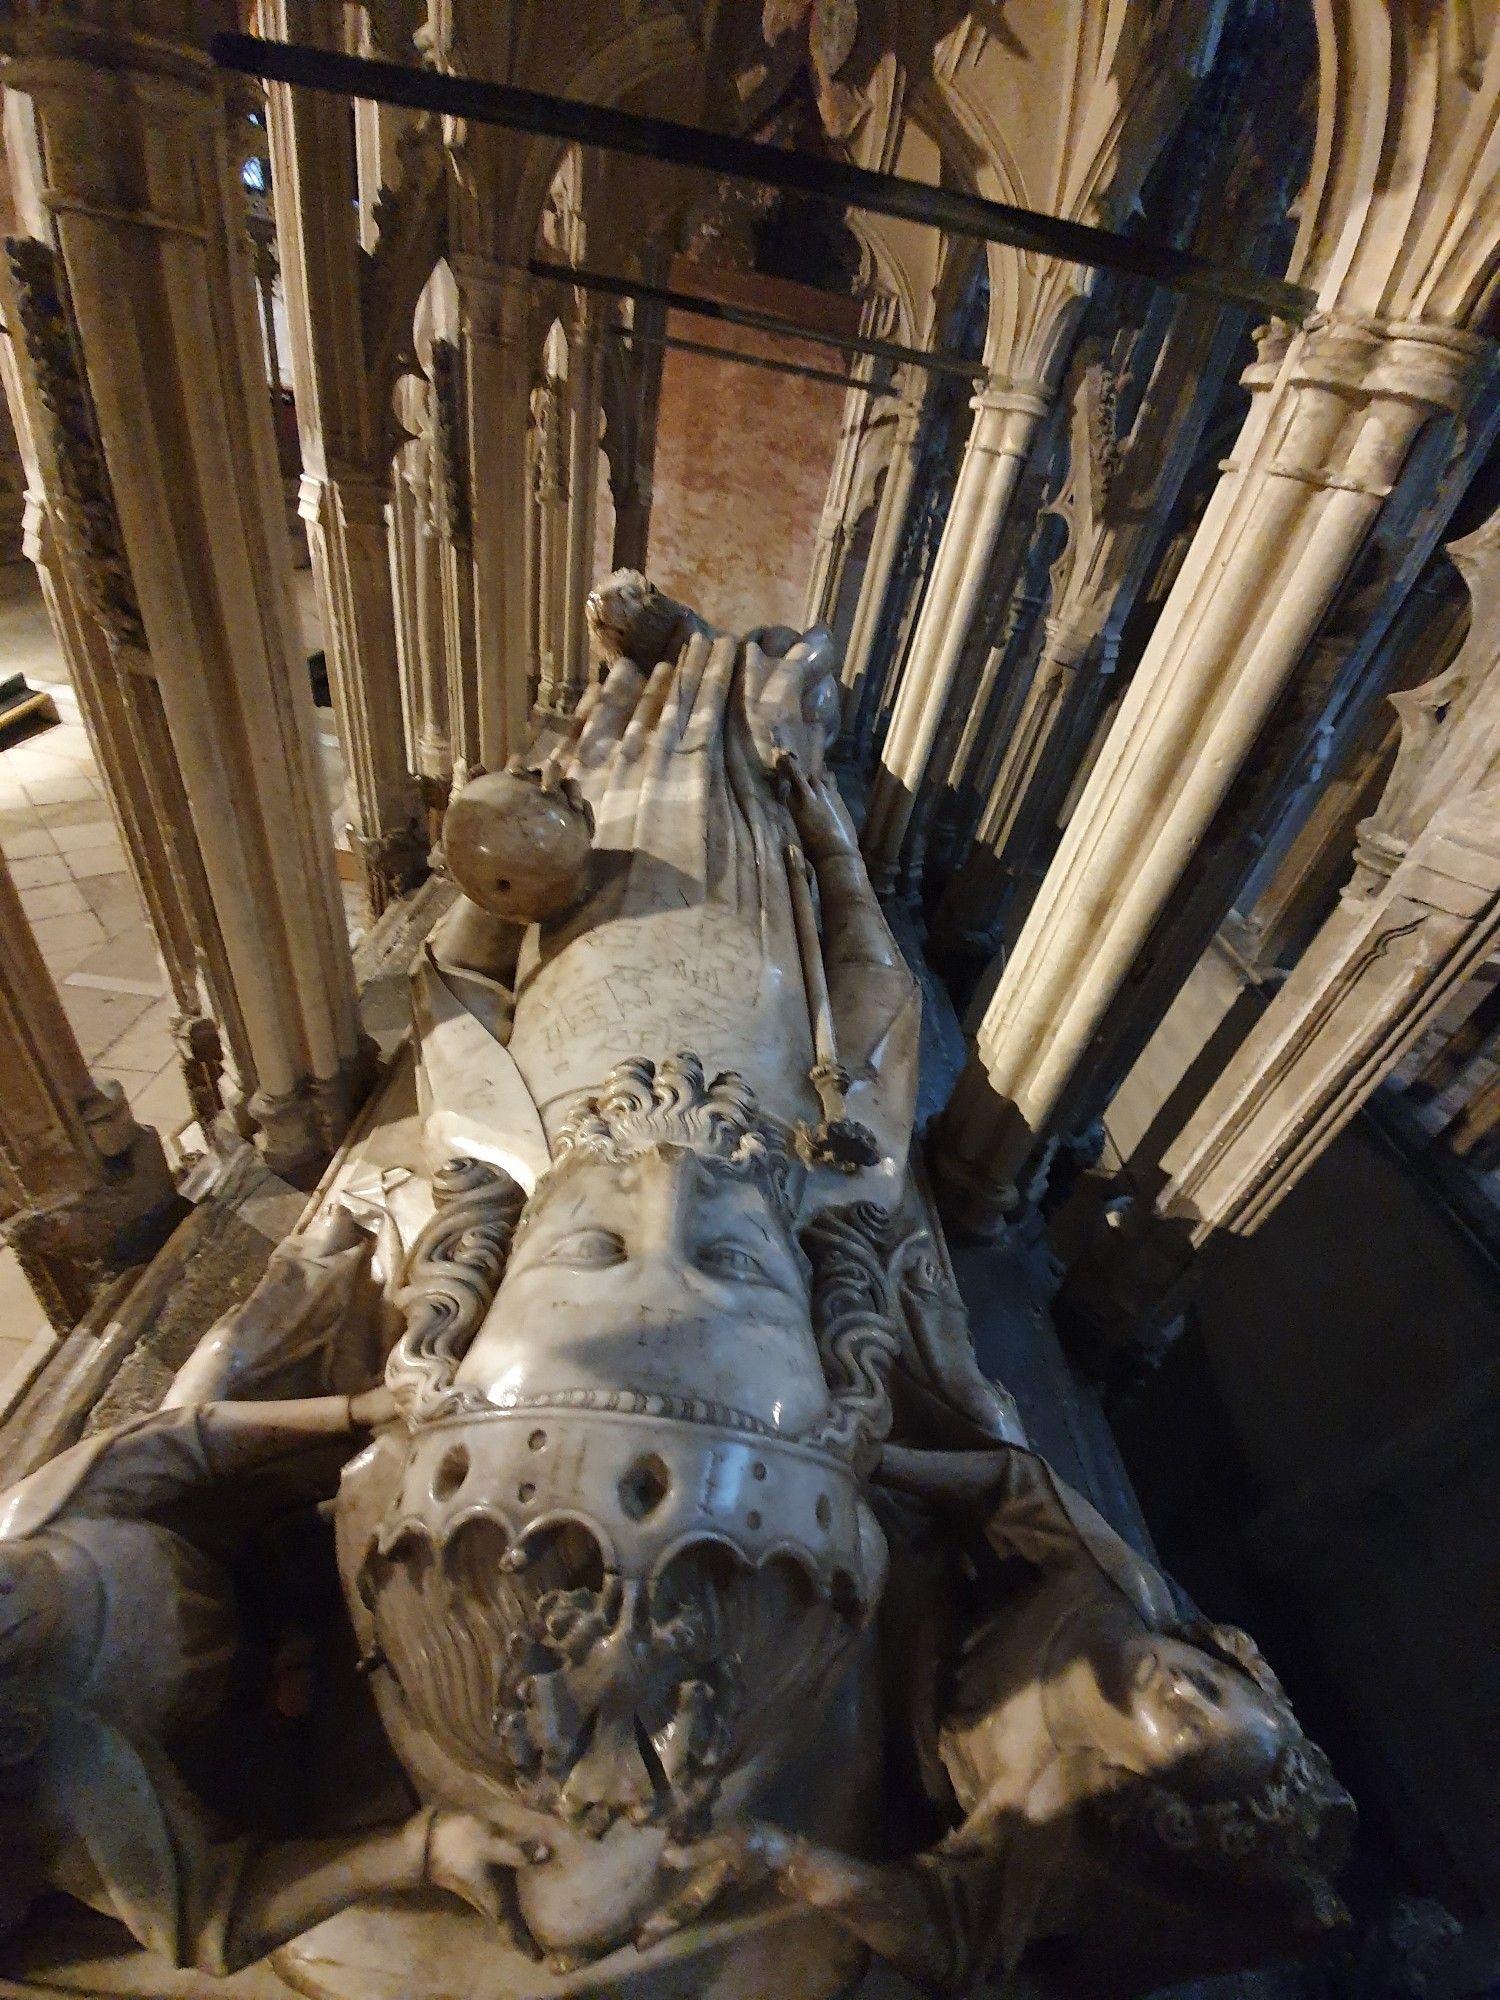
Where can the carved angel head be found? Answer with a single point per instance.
(1225, 1784)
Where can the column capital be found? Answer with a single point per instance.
(1067, 644)
(361, 496)
(1029, 398)
(1006, 415)
(1412, 360)
(493, 296)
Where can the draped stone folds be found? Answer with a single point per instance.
(148, 214)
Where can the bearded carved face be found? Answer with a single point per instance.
(621, 1553)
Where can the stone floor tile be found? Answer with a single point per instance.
(79, 823)
(146, 1043)
(40, 871)
(25, 767)
(129, 964)
(67, 785)
(62, 962)
(22, 833)
(58, 899)
(100, 1019)
(114, 901)
(26, 1334)
(88, 863)
(23, 843)
(20, 1313)
(132, 1081)
(55, 934)
(162, 1102)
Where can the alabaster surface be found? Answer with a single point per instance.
(593, 1560)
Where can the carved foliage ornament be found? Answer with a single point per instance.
(448, 410)
(88, 517)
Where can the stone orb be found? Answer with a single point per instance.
(517, 848)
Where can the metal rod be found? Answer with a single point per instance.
(745, 360)
(752, 316)
(949, 209)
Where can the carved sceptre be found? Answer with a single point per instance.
(837, 1140)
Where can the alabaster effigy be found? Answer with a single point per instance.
(593, 1561)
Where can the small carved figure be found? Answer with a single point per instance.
(1125, 1780)
(630, 619)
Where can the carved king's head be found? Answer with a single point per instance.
(622, 1546)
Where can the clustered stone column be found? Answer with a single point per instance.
(84, 1190)
(550, 518)
(1332, 423)
(344, 450)
(149, 226)
(72, 537)
(891, 517)
(836, 523)
(1006, 416)
(494, 309)
(631, 488)
(585, 339)
(1420, 915)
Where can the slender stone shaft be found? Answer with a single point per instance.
(158, 269)
(1006, 417)
(1329, 429)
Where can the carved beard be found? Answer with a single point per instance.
(595, 1699)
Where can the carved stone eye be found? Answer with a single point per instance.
(588, 1249)
(728, 1260)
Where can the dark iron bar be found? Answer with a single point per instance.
(663, 139)
(752, 316)
(629, 334)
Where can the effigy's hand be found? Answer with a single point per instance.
(741, 1857)
(476, 1863)
(820, 825)
(791, 697)
(371, 1408)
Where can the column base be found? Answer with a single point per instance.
(300, 1129)
(394, 864)
(71, 1249)
(1122, 1301)
(973, 1204)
